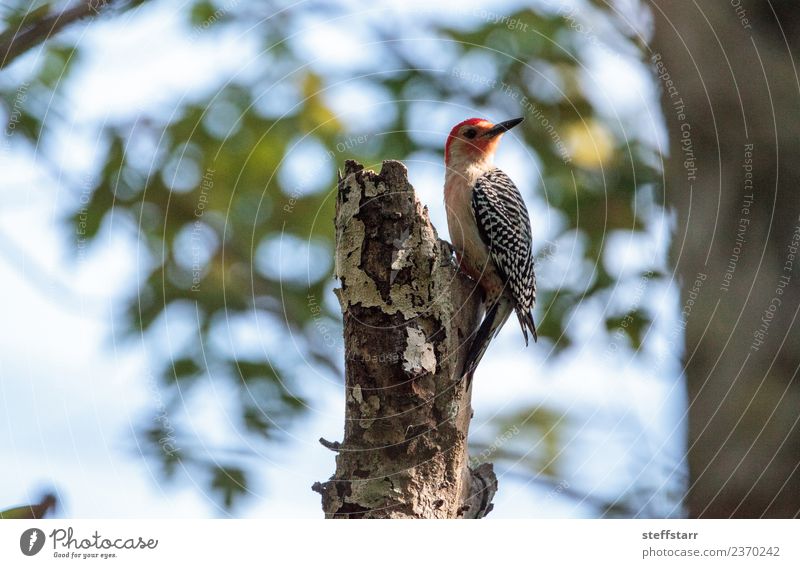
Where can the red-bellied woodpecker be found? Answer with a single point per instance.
(490, 230)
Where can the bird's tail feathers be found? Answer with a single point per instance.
(527, 324)
(495, 318)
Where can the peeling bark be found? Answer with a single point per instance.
(408, 313)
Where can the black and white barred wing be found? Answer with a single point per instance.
(505, 227)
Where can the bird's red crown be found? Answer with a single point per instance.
(454, 132)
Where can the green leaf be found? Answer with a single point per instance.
(185, 368)
(35, 511)
(231, 482)
(632, 325)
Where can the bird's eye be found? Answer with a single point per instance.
(471, 133)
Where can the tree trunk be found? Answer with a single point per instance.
(408, 314)
(731, 111)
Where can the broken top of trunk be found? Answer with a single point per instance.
(408, 316)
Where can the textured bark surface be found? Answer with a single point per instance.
(408, 313)
(736, 82)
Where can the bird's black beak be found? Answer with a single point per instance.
(502, 127)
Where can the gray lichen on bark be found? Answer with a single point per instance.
(408, 314)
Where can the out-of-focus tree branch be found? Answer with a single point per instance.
(34, 511)
(18, 39)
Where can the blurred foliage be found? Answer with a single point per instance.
(207, 190)
(529, 445)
